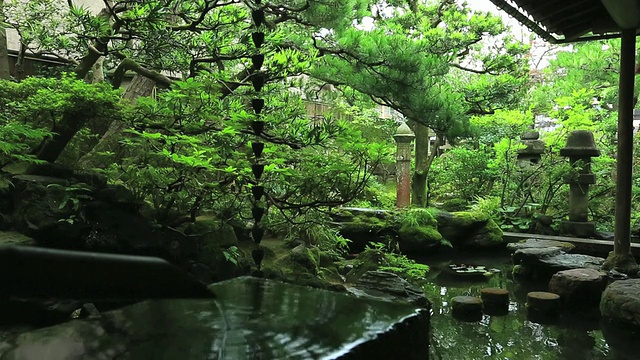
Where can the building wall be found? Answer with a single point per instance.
(13, 39)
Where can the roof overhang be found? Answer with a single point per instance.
(558, 21)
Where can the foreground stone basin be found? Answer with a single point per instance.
(249, 319)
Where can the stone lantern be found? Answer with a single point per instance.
(531, 154)
(580, 147)
(403, 137)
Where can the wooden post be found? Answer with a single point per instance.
(622, 243)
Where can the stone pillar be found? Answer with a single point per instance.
(580, 147)
(403, 136)
(4, 54)
(530, 156)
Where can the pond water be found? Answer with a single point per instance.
(512, 336)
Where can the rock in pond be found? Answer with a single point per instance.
(466, 308)
(249, 319)
(539, 264)
(543, 307)
(578, 288)
(495, 301)
(387, 286)
(620, 302)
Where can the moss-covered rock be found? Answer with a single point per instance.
(304, 266)
(367, 260)
(213, 232)
(225, 263)
(470, 229)
(419, 239)
(624, 263)
(363, 226)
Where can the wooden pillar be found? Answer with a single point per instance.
(622, 233)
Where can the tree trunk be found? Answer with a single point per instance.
(4, 54)
(97, 72)
(63, 131)
(140, 86)
(423, 163)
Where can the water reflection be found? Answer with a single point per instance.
(249, 319)
(504, 337)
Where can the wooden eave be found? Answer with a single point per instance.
(563, 21)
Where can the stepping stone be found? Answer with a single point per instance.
(495, 301)
(534, 255)
(543, 306)
(540, 264)
(573, 261)
(466, 308)
(578, 288)
(540, 244)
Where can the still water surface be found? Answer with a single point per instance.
(577, 336)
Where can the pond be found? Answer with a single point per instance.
(504, 337)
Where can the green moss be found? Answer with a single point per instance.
(468, 218)
(521, 272)
(367, 260)
(213, 232)
(455, 205)
(493, 232)
(624, 263)
(417, 217)
(415, 237)
(302, 266)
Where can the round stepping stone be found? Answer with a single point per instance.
(495, 301)
(543, 307)
(466, 308)
(578, 288)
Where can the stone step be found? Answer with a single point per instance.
(601, 247)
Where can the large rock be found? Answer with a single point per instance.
(387, 286)
(621, 302)
(572, 261)
(470, 230)
(249, 319)
(48, 210)
(363, 226)
(539, 264)
(578, 288)
(419, 233)
(540, 244)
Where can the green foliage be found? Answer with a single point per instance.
(231, 254)
(310, 228)
(416, 217)
(461, 173)
(35, 109)
(399, 263)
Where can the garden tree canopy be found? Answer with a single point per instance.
(192, 139)
(591, 66)
(430, 61)
(169, 39)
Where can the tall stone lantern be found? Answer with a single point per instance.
(403, 137)
(580, 147)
